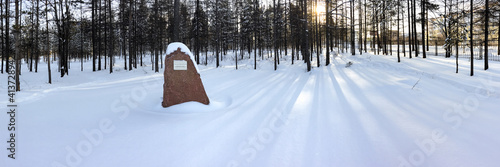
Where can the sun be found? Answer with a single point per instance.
(320, 8)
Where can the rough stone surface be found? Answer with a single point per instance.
(182, 85)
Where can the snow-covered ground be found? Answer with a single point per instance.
(376, 112)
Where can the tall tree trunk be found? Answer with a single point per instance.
(446, 28)
(197, 32)
(255, 35)
(414, 15)
(486, 27)
(403, 28)
(427, 26)
(410, 41)
(157, 27)
(81, 38)
(305, 33)
(471, 30)
(382, 31)
(111, 46)
(131, 36)
(275, 28)
(360, 36)
(31, 50)
(378, 34)
(353, 47)
(217, 32)
(17, 38)
(177, 20)
(366, 22)
(423, 29)
(399, 6)
(123, 33)
(48, 41)
(94, 32)
(105, 34)
(37, 39)
(318, 41)
(327, 32)
(99, 33)
(7, 40)
(2, 48)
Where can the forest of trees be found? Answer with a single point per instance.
(102, 30)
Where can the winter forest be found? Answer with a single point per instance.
(102, 30)
(292, 83)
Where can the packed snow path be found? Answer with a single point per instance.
(374, 113)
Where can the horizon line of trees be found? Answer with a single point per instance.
(61, 30)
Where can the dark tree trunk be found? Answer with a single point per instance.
(157, 27)
(410, 41)
(94, 40)
(7, 41)
(471, 39)
(353, 47)
(365, 28)
(414, 15)
(48, 41)
(2, 48)
(360, 36)
(131, 37)
(423, 28)
(487, 20)
(111, 46)
(17, 37)
(403, 28)
(399, 6)
(305, 36)
(327, 33)
(177, 20)
(217, 32)
(99, 41)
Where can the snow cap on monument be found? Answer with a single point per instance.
(172, 47)
(182, 77)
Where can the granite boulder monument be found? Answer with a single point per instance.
(182, 78)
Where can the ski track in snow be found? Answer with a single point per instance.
(370, 114)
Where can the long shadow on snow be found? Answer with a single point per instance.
(380, 122)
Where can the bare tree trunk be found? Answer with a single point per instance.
(131, 37)
(217, 32)
(399, 6)
(17, 37)
(105, 28)
(487, 20)
(414, 15)
(403, 22)
(156, 27)
(275, 28)
(471, 39)
(366, 22)
(2, 48)
(360, 36)
(7, 40)
(99, 33)
(423, 28)
(177, 20)
(410, 41)
(94, 19)
(427, 26)
(327, 32)
(305, 33)
(111, 46)
(48, 41)
(353, 47)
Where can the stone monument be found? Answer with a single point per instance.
(182, 78)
